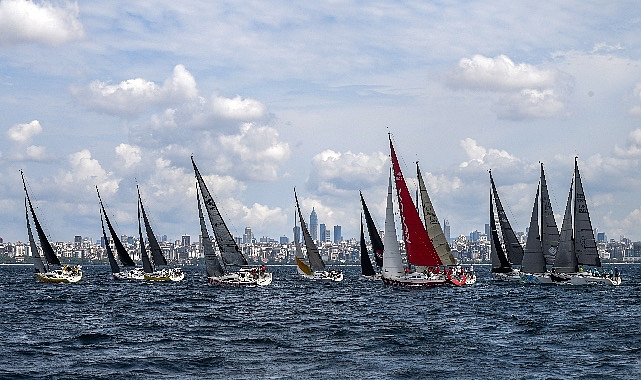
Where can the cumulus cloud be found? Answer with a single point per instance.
(25, 21)
(86, 172)
(633, 150)
(254, 153)
(237, 108)
(23, 133)
(636, 109)
(36, 153)
(335, 171)
(524, 91)
(129, 154)
(481, 157)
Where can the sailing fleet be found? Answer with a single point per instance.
(549, 256)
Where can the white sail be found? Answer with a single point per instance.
(392, 262)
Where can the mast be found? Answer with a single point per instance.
(549, 229)
(366, 264)
(212, 265)
(37, 260)
(374, 237)
(584, 243)
(500, 263)
(533, 258)
(512, 245)
(432, 224)
(229, 250)
(154, 247)
(123, 256)
(47, 250)
(392, 261)
(315, 261)
(299, 257)
(418, 245)
(146, 263)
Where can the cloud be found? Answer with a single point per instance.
(523, 91)
(237, 108)
(255, 153)
(335, 172)
(616, 227)
(636, 109)
(23, 133)
(633, 150)
(37, 153)
(130, 154)
(86, 173)
(485, 159)
(25, 21)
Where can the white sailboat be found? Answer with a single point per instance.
(317, 269)
(577, 245)
(543, 237)
(231, 268)
(53, 271)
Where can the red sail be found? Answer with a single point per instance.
(418, 245)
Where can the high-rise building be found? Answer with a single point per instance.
(284, 240)
(338, 235)
(313, 224)
(446, 230)
(186, 240)
(247, 236)
(296, 231)
(328, 236)
(487, 230)
(322, 232)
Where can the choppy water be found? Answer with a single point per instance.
(103, 329)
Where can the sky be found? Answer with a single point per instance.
(272, 96)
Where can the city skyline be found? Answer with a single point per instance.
(271, 96)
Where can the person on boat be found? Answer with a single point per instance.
(262, 269)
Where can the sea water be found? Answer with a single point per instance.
(295, 328)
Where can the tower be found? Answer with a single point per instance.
(338, 234)
(313, 224)
(446, 230)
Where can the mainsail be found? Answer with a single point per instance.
(47, 250)
(392, 261)
(418, 245)
(584, 243)
(533, 258)
(315, 261)
(123, 256)
(374, 237)
(146, 263)
(500, 263)
(565, 261)
(37, 260)
(434, 229)
(511, 243)
(154, 247)
(299, 257)
(366, 264)
(212, 265)
(549, 229)
(110, 254)
(229, 250)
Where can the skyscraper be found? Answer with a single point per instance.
(186, 240)
(313, 225)
(322, 232)
(338, 235)
(247, 236)
(446, 230)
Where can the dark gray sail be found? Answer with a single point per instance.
(123, 256)
(315, 260)
(584, 243)
(110, 254)
(366, 264)
(154, 247)
(500, 263)
(47, 250)
(229, 250)
(212, 265)
(533, 258)
(512, 245)
(549, 229)
(433, 226)
(37, 260)
(374, 236)
(565, 261)
(146, 263)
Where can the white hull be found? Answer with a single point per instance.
(250, 277)
(514, 275)
(376, 277)
(67, 275)
(536, 278)
(167, 274)
(325, 275)
(586, 278)
(133, 274)
(415, 280)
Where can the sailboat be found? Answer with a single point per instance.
(439, 241)
(419, 248)
(302, 266)
(507, 252)
(367, 269)
(543, 237)
(159, 270)
(53, 271)
(577, 245)
(130, 271)
(231, 269)
(317, 266)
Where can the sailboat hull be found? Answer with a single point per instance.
(169, 274)
(249, 277)
(587, 278)
(537, 278)
(65, 275)
(513, 275)
(416, 280)
(133, 274)
(325, 275)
